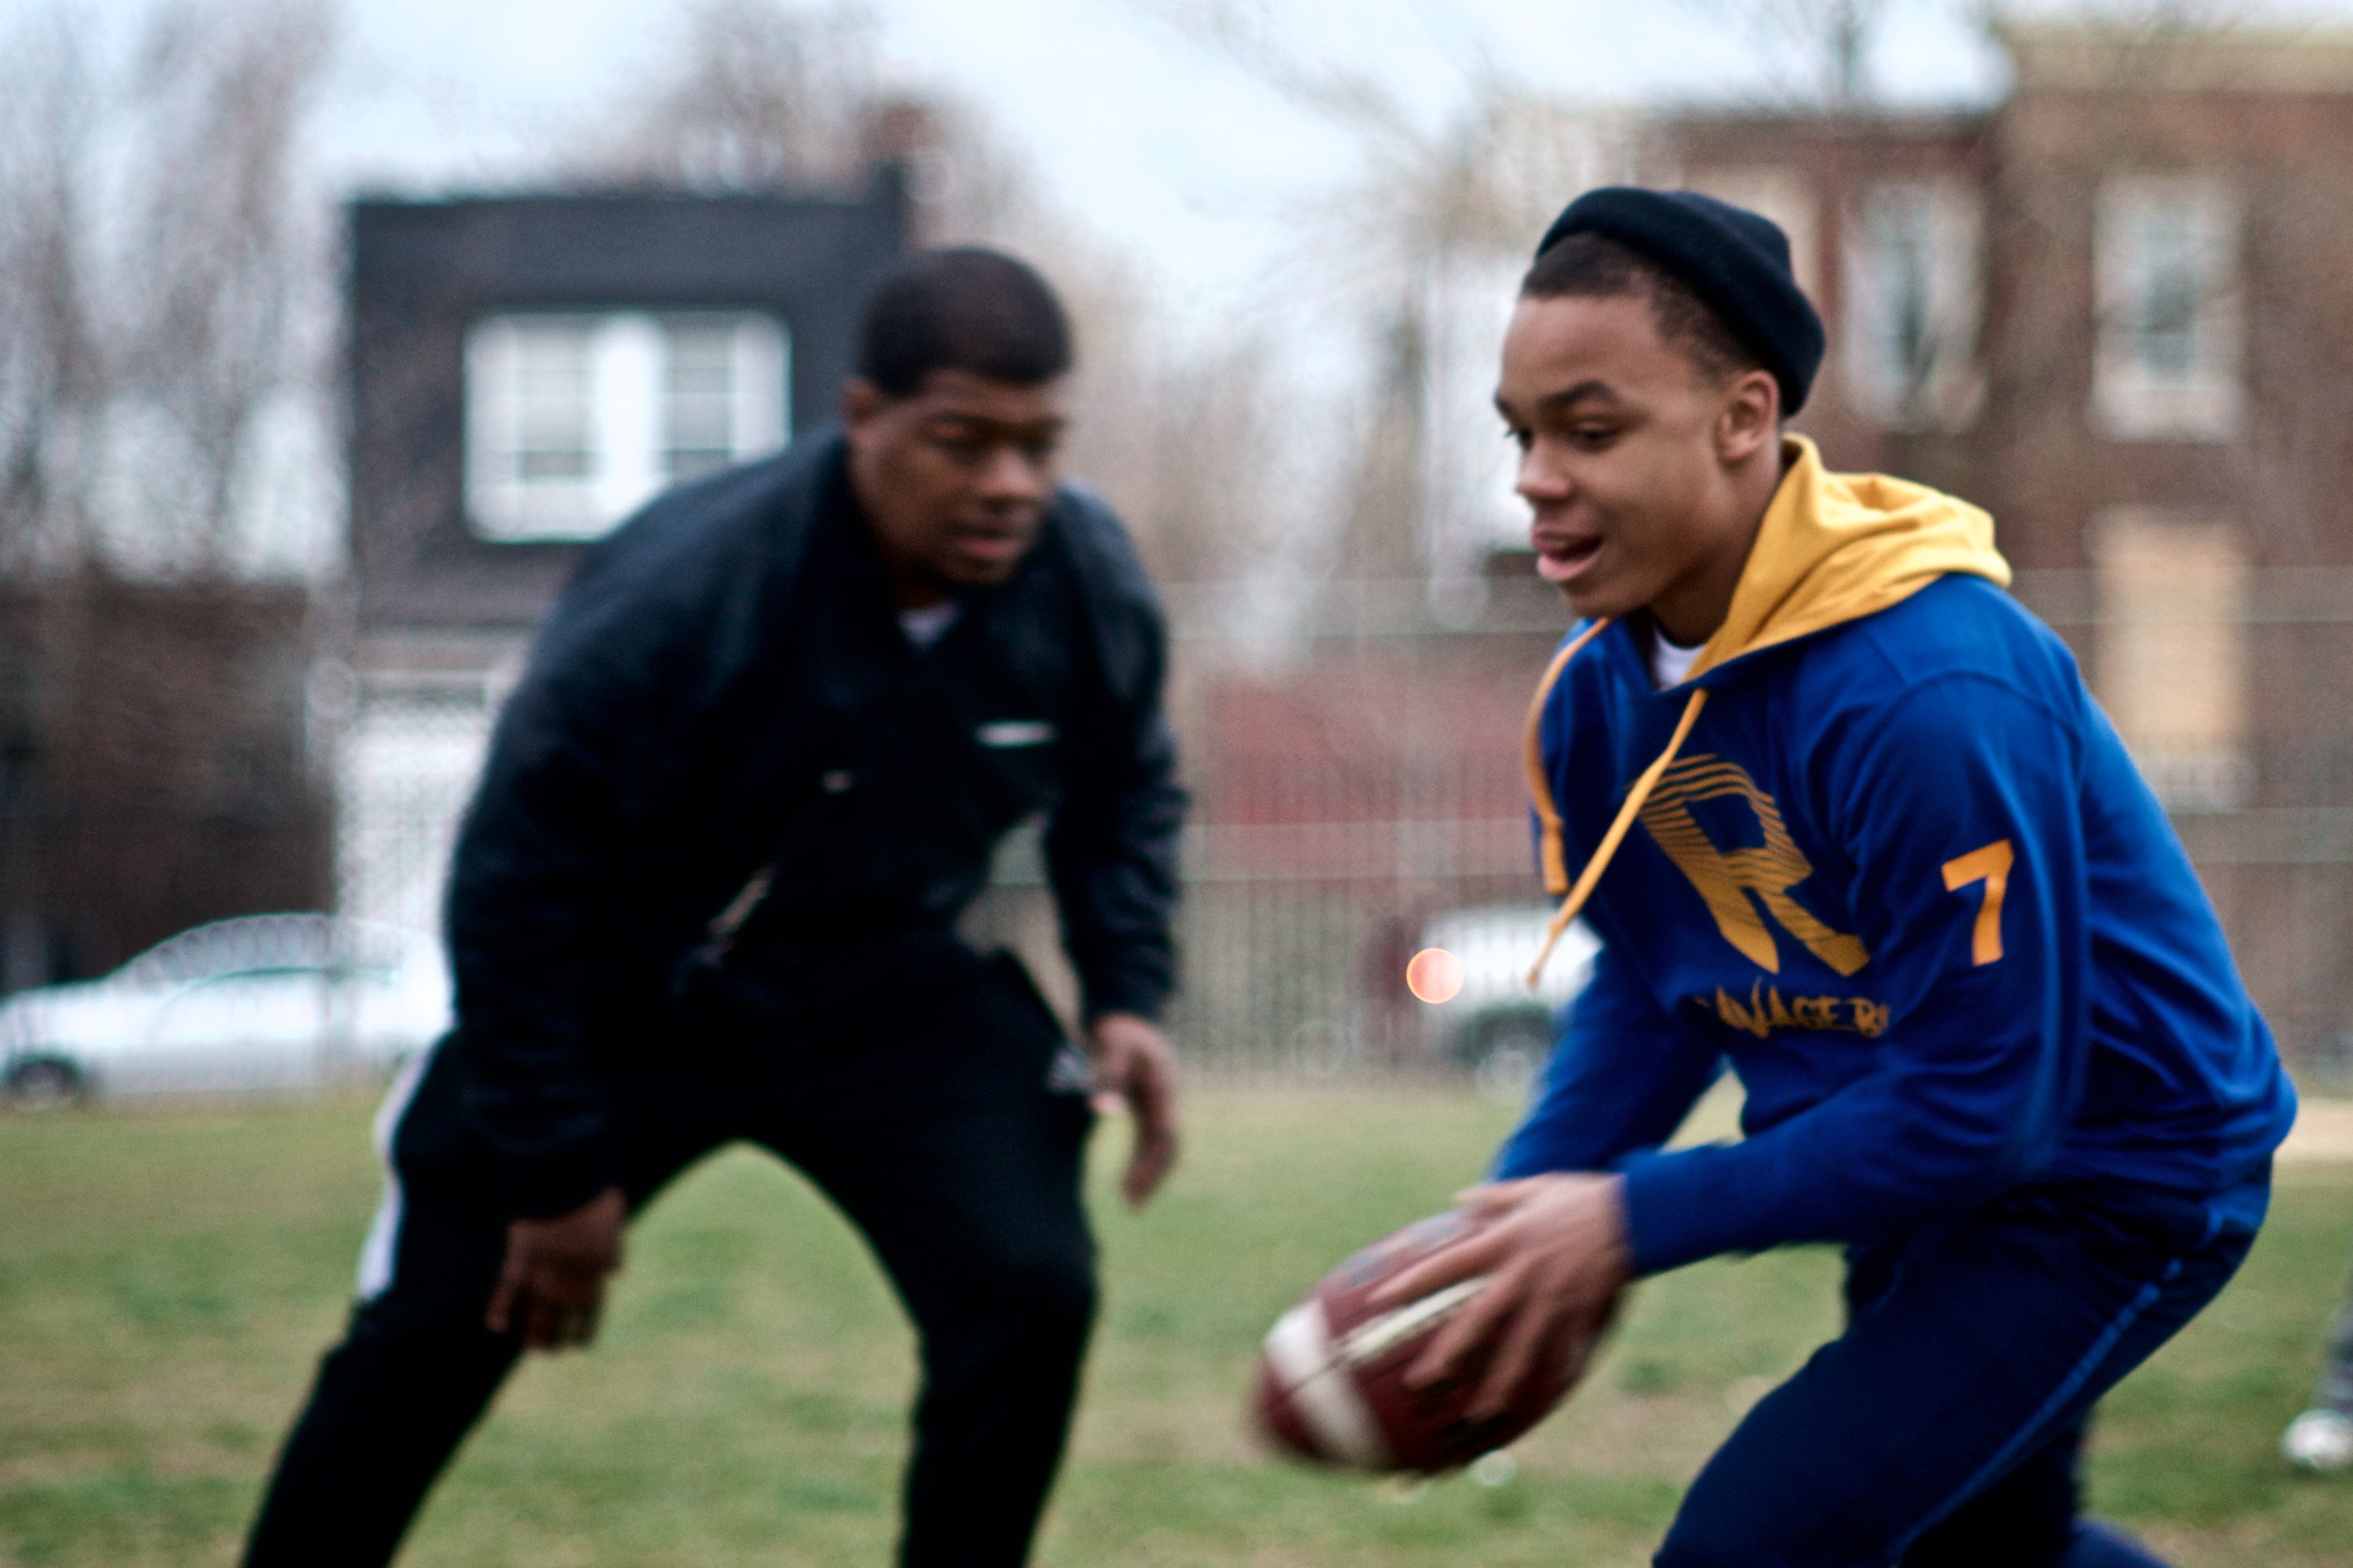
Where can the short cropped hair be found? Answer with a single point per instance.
(1593, 266)
(961, 307)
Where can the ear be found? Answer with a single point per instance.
(862, 402)
(1749, 418)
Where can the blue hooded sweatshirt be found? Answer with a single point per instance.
(1882, 851)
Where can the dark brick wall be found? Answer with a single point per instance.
(152, 774)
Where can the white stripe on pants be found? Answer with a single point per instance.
(382, 1241)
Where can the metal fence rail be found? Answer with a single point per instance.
(1370, 783)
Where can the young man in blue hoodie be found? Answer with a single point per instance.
(1848, 819)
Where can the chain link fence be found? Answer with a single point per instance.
(1362, 798)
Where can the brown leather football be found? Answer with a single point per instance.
(1331, 1378)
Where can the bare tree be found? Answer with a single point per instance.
(220, 250)
(1365, 247)
(760, 95)
(51, 372)
(1413, 248)
(1415, 184)
(1824, 45)
(1175, 423)
(166, 278)
(164, 294)
(774, 95)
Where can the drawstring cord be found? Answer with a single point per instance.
(1555, 872)
(1555, 869)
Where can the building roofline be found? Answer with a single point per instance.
(1862, 125)
(2316, 60)
(550, 198)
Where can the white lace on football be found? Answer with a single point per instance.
(1320, 1387)
(1370, 1341)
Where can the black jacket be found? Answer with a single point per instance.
(725, 687)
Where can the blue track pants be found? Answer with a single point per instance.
(1942, 1427)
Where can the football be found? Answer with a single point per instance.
(1330, 1377)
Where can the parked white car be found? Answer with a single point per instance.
(1494, 1024)
(259, 1003)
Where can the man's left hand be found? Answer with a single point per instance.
(1134, 1067)
(1556, 1257)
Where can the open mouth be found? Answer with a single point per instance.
(1559, 559)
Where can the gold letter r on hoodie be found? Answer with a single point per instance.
(1725, 878)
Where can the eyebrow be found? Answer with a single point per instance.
(1579, 393)
(1001, 429)
(1553, 402)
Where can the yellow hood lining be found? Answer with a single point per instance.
(1832, 547)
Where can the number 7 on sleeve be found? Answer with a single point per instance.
(1991, 866)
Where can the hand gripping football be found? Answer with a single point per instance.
(1331, 1379)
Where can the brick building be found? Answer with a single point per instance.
(2116, 310)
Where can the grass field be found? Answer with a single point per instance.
(167, 1279)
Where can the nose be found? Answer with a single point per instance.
(1013, 477)
(1539, 480)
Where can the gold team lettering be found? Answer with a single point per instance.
(1727, 879)
(1765, 1012)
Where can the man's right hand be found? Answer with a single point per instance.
(1135, 1068)
(551, 1287)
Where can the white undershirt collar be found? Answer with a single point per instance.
(926, 626)
(1671, 661)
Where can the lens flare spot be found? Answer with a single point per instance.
(1434, 975)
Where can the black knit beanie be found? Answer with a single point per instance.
(1736, 261)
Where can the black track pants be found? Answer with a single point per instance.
(944, 1146)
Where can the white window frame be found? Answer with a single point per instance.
(1939, 385)
(627, 422)
(2132, 399)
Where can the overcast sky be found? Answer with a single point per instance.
(1160, 146)
(1168, 151)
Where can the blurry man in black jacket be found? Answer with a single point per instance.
(767, 744)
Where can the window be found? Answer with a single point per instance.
(2166, 365)
(2170, 660)
(575, 420)
(698, 399)
(1910, 303)
(554, 411)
